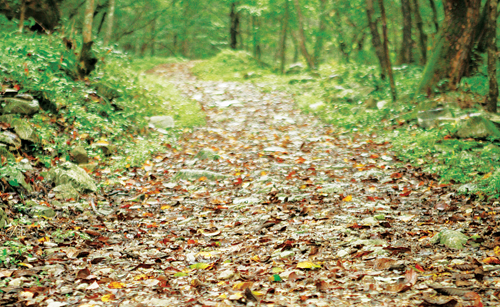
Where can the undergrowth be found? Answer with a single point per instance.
(111, 105)
(354, 98)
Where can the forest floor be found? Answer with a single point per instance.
(266, 206)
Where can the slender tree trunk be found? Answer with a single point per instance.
(103, 18)
(482, 38)
(406, 44)
(256, 39)
(22, 16)
(376, 41)
(234, 28)
(153, 37)
(284, 30)
(386, 51)
(451, 54)
(318, 47)
(422, 37)
(87, 60)
(111, 19)
(492, 57)
(302, 36)
(295, 48)
(87, 21)
(434, 14)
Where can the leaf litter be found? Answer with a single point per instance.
(264, 206)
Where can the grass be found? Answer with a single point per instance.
(339, 94)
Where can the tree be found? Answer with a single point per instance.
(376, 42)
(492, 56)
(111, 17)
(87, 60)
(318, 47)
(386, 50)
(45, 12)
(406, 44)
(234, 18)
(451, 55)
(302, 37)
(284, 30)
(422, 37)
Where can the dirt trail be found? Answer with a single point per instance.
(266, 198)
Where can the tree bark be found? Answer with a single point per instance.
(434, 14)
(451, 54)
(386, 51)
(405, 56)
(422, 37)
(45, 12)
(284, 30)
(87, 59)
(302, 37)
(22, 16)
(234, 18)
(492, 55)
(256, 39)
(109, 25)
(318, 47)
(376, 42)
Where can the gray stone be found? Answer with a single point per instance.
(370, 103)
(19, 178)
(107, 148)
(79, 155)
(66, 191)
(431, 118)
(4, 152)
(207, 153)
(74, 175)
(477, 126)
(39, 210)
(19, 106)
(9, 138)
(162, 122)
(382, 104)
(191, 174)
(451, 238)
(24, 130)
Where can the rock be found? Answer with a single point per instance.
(316, 106)
(10, 92)
(190, 174)
(3, 218)
(451, 238)
(39, 210)
(295, 68)
(207, 153)
(18, 178)
(74, 175)
(431, 118)
(79, 155)
(19, 106)
(106, 91)
(25, 96)
(66, 191)
(162, 122)
(4, 152)
(107, 148)
(226, 274)
(275, 149)
(333, 188)
(303, 80)
(24, 130)
(382, 104)
(477, 126)
(370, 103)
(9, 138)
(251, 75)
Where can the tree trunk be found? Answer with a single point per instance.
(111, 19)
(295, 48)
(284, 30)
(386, 51)
(451, 54)
(234, 28)
(22, 16)
(492, 57)
(87, 59)
(302, 36)
(422, 37)
(406, 44)
(481, 34)
(376, 42)
(153, 37)
(45, 12)
(434, 14)
(256, 40)
(318, 47)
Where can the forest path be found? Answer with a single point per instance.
(296, 211)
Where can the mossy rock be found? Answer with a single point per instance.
(18, 178)
(18, 106)
(24, 130)
(79, 155)
(207, 153)
(477, 126)
(3, 218)
(4, 152)
(9, 138)
(451, 238)
(66, 191)
(74, 175)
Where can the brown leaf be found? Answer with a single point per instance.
(383, 263)
(473, 296)
(443, 301)
(398, 287)
(411, 277)
(83, 273)
(92, 233)
(322, 285)
(449, 290)
(250, 296)
(294, 277)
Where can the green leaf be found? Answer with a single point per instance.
(180, 274)
(199, 266)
